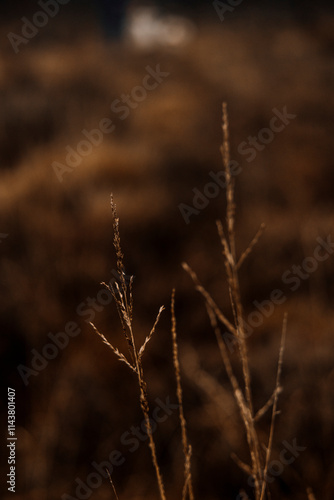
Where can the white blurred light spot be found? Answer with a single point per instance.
(147, 28)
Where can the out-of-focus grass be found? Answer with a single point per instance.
(59, 246)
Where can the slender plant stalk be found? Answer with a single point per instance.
(123, 297)
(112, 484)
(230, 257)
(274, 410)
(188, 487)
(243, 397)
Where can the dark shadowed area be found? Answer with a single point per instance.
(125, 98)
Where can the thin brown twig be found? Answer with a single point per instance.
(235, 301)
(230, 212)
(119, 308)
(120, 355)
(245, 414)
(117, 243)
(229, 252)
(245, 467)
(145, 409)
(112, 484)
(244, 399)
(274, 410)
(186, 447)
(252, 244)
(265, 407)
(150, 335)
(199, 287)
(124, 303)
(187, 487)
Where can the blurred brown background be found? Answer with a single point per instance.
(56, 237)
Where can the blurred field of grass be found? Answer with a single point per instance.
(59, 245)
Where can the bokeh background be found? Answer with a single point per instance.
(56, 237)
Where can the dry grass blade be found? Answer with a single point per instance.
(244, 399)
(222, 349)
(252, 244)
(228, 244)
(186, 448)
(229, 260)
(122, 295)
(245, 412)
(124, 302)
(268, 404)
(117, 244)
(187, 487)
(120, 309)
(107, 286)
(208, 298)
(230, 212)
(245, 467)
(230, 257)
(120, 356)
(238, 394)
(150, 335)
(131, 297)
(235, 301)
(112, 484)
(274, 410)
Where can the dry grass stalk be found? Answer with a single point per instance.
(274, 410)
(188, 487)
(252, 244)
(209, 300)
(245, 412)
(123, 297)
(112, 484)
(243, 397)
(241, 464)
